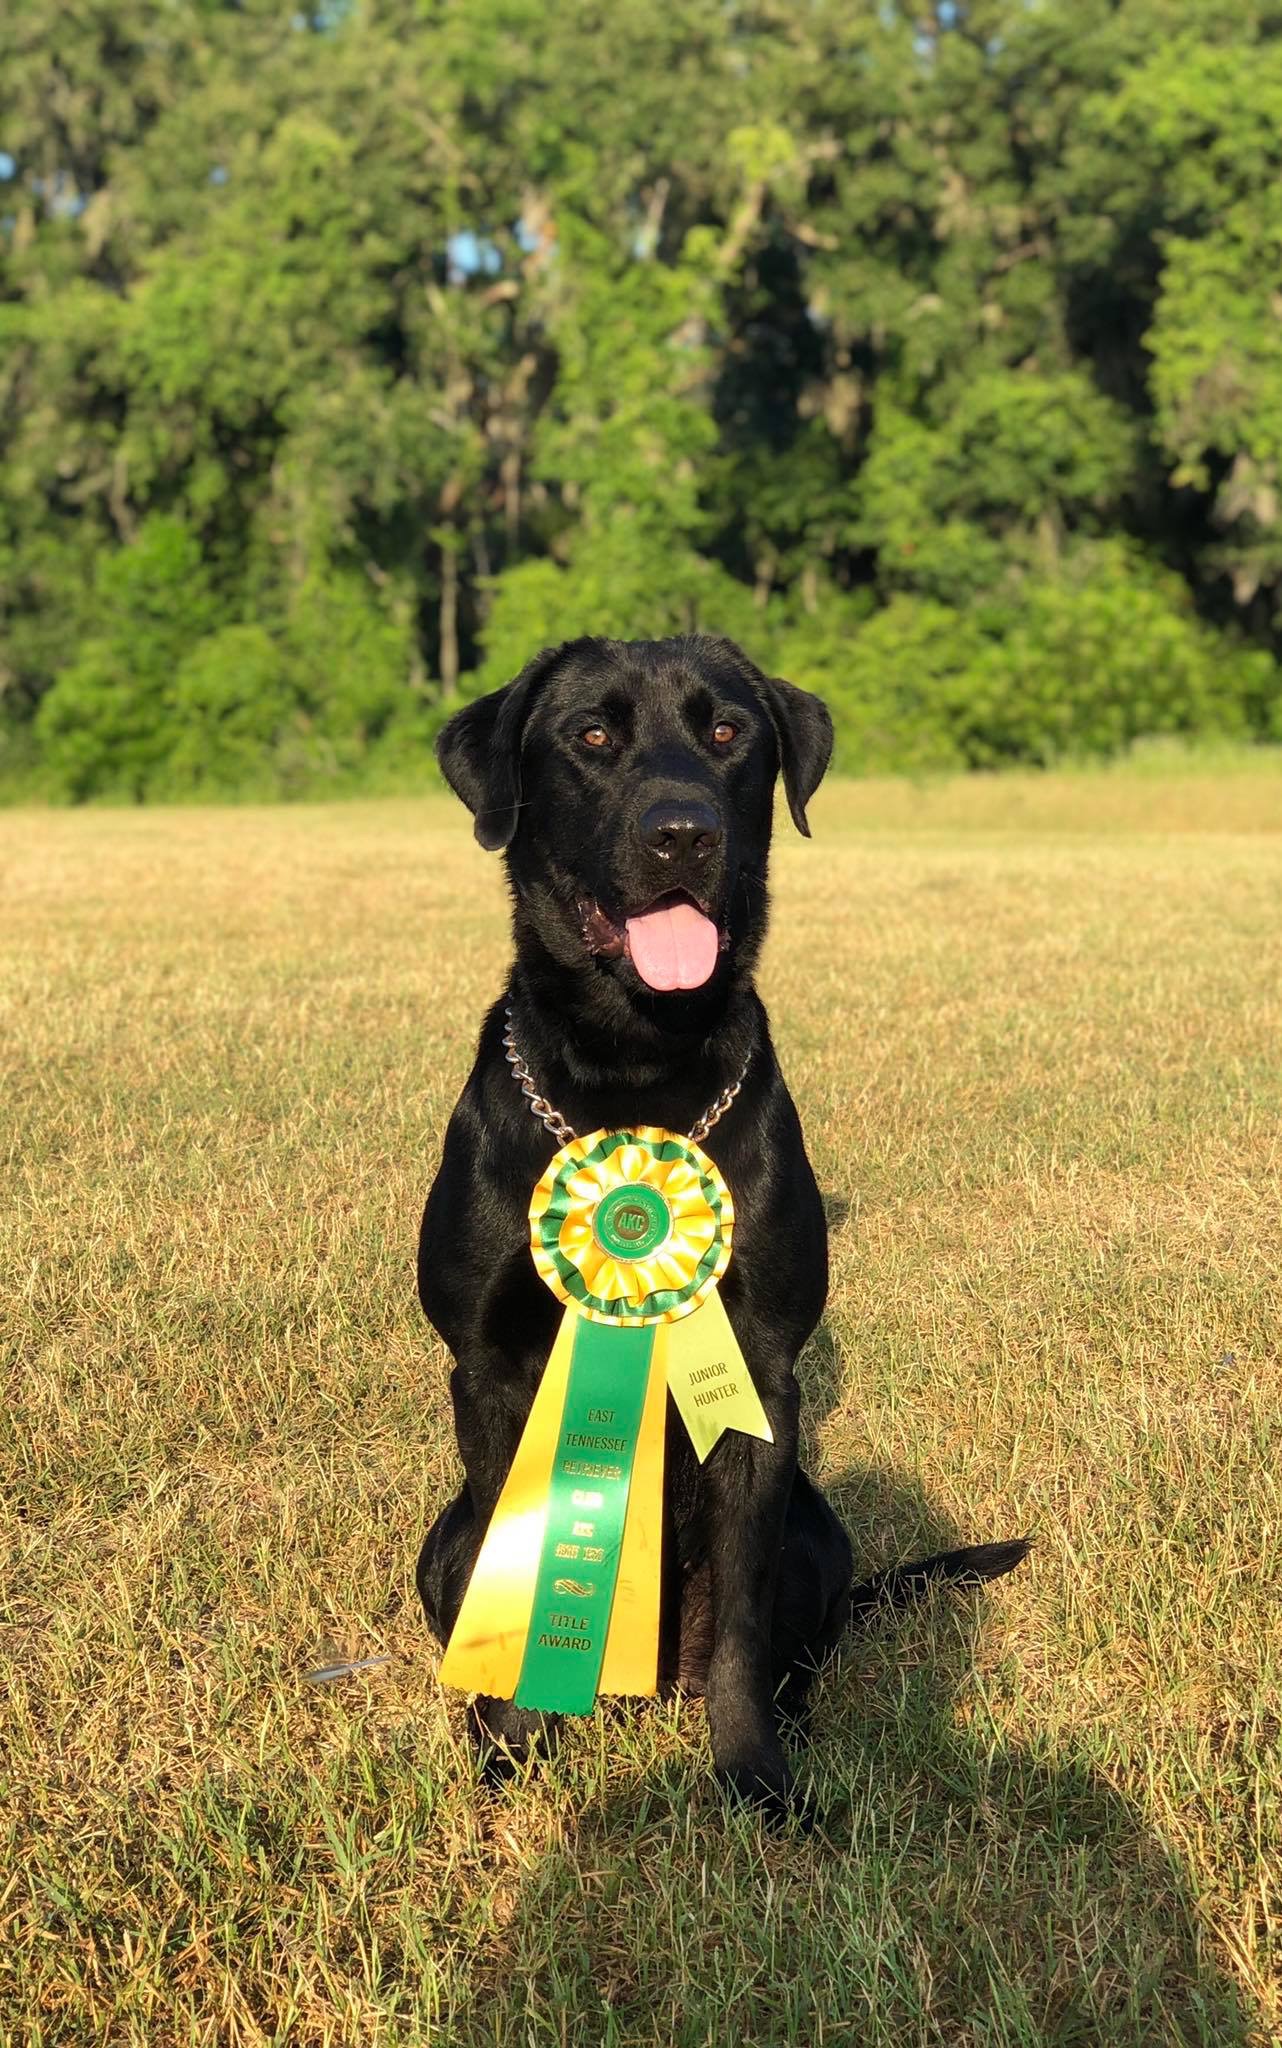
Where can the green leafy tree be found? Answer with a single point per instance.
(107, 723)
(347, 354)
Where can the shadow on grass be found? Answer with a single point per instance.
(959, 1890)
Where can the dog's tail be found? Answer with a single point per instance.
(897, 1588)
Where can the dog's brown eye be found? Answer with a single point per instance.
(723, 732)
(595, 736)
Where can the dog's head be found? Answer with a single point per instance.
(631, 785)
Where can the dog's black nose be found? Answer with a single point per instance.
(679, 830)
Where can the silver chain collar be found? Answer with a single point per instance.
(552, 1120)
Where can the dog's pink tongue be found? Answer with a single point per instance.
(675, 947)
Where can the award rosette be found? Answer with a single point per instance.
(632, 1231)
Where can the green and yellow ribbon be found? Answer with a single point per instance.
(632, 1231)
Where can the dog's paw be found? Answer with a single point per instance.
(506, 1737)
(767, 1786)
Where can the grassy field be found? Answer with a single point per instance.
(1033, 1026)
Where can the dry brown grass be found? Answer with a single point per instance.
(1033, 1028)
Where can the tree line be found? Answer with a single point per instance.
(348, 355)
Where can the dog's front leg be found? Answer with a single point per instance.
(489, 1415)
(748, 1484)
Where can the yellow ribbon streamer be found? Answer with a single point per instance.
(708, 1376)
(485, 1648)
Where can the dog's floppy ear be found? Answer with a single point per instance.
(803, 729)
(480, 752)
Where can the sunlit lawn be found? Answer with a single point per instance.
(1034, 1027)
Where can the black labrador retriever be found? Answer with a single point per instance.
(630, 786)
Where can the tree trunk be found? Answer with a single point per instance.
(510, 471)
(449, 621)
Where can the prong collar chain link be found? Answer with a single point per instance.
(552, 1120)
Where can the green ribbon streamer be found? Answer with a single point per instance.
(587, 1506)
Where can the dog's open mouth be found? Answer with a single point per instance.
(672, 945)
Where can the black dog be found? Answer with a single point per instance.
(631, 786)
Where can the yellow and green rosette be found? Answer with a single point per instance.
(632, 1230)
(631, 1227)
